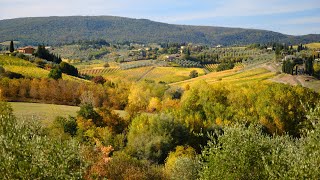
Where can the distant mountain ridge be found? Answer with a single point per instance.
(58, 30)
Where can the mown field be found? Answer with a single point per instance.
(42, 112)
(46, 112)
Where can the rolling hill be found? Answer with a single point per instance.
(57, 30)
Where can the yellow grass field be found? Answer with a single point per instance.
(313, 45)
(129, 74)
(232, 77)
(42, 112)
(171, 74)
(47, 112)
(28, 69)
(157, 74)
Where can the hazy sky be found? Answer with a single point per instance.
(294, 17)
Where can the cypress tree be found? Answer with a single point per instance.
(11, 48)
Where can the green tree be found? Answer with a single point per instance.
(55, 74)
(182, 163)
(87, 112)
(225, 66)
(122, 166)
(68, 69)
(11, 48)
(287, 67)
(309, 66)
(69, 125)
(152, 138)
(316, 68)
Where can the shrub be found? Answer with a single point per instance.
(40, 63)
(12, 75)
(247, 153)
(69, 125)
(122, 166)
(193, 74)
(225, 66)
(87, 112)
(98, 80)
(55, 74)
(68, 69)
(182, 163)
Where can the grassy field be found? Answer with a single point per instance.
(313, 45)
(14, 61)
(46, 113)
(129, 74)
(42, 112)
(165, 74)
(91, 64)
(171, 74)
(21, 66)
(7, 43)
(232, 76)
(28, 69)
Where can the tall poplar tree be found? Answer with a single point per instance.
(11, 48)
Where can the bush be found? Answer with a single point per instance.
(113, 121)
(225, 66)
(247, 153)
(87, 112)
(193, 74)
(22, 56)
(182, 163)
(98, 80)
(68, 69)
(55, 74)
(40, 63)
(237, 154)
(122, 166)
(68, 125)
(12, 75)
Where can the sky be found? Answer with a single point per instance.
(294, 17)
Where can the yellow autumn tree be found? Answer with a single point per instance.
(154, 104)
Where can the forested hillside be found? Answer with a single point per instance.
(57, 30)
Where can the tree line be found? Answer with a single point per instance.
(190, 134)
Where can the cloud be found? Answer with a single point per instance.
(234, 8)
(34, 8)
(303, 20)
(262, 14)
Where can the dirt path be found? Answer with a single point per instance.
(271, 67)
(206, 71)
(146, 73)
(303, 80)
(286, 79)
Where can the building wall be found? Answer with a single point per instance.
(26, 50)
